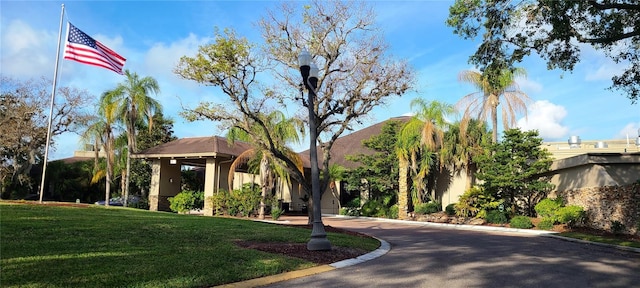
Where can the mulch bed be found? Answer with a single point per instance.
(299, 250)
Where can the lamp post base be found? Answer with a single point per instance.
(318, 241)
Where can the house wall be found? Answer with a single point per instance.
(331, 199)
(604, 205)
(449, 187)
(605, 186)
(595, 175)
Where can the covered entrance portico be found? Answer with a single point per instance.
(214, 154)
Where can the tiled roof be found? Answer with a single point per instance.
(196, 146)
(352, 144)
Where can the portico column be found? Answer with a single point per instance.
(154, 187)
(210, 187)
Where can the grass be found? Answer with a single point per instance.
(602, 239)
(49, 246)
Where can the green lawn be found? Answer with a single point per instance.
(46, 246)
(620, 241)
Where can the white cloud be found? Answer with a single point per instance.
(545, 117)
(529, 86)
(26, 52)
(630, 129)
(597, 65)
(604, 71)
(162, 58)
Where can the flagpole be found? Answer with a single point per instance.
(53, 96)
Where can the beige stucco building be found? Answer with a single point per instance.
(577, 165)
(602, 177)
(580, 164)
(215, 154)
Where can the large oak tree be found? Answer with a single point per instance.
(24, 114)
(356, 75)
(556, 30)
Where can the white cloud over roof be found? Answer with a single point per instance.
(545, 117)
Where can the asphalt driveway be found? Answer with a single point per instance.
(436, 257)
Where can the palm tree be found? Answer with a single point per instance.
(100, 132)
(484, 103)
(418, 142)
(286, 131)
(133, 104)
(460, 147)
(120, 160)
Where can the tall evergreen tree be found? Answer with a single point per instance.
(380, 169)
(510, 169)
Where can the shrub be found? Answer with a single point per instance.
(450, 209)
(186, 201)
(496, 217)
(548, 207)
(372, 208)
(239, 202)
(476, 201)
(427, 208)
(468, 204)
(349, 211)
(379, 207)
(521, 222)
(393, 212)
(219, 202)
(246, 200)
(355, 202)
(617, 227)
(569, 215)
(276, 212)
(546, 223)
(558, 213)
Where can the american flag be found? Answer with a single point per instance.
(84, 49)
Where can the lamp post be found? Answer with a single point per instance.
(309, 72)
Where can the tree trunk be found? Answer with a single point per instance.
(126, 179)
(264, 178)
(403, 190)
(471, 176)
(494, 117)
(107, 184)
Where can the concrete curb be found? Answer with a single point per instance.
(450, 226)
(383, 249)
(257, 282)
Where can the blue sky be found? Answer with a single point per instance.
(153, 35)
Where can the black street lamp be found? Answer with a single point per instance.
(309, 71)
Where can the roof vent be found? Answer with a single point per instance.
(601, 144)
(574, 142)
